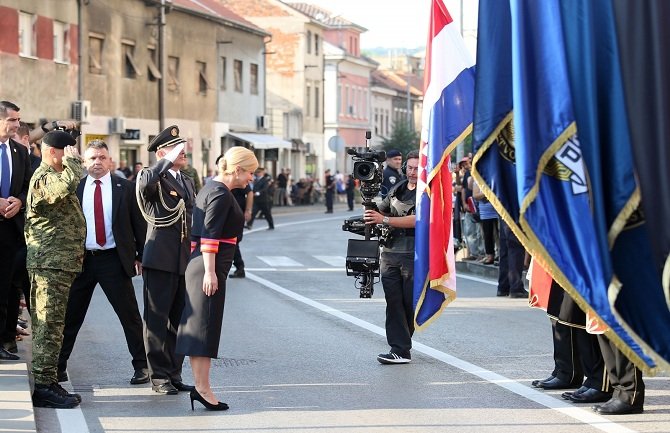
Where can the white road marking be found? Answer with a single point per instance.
(585, 416)
(337, 261)
(279, 261)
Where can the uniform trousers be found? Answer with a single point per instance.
(237, 258)
(397, 274)
(577, 355)
(106, 269)
(626, 379)
(164, 297)
(329, 199)
(265, 208)
(49, 291)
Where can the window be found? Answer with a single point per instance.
(253, 78)
(95, 44)
(153, 73)
(201, 67)
(308, 100)
(317, 101)
(237, 70)
(173, 74)
(130, 66)
(316, 44)
(61, 43)
(376, 121)
(309, 42)
(27, 43)
(224, 73)
(347, 107)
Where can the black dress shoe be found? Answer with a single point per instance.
(536, 383)
(181, 386)
(567, 395)
(140, 376)
(501, 293)
(165, 388)
(6, 356)
(617, 407)
(557, 383)
(237, 274)
(10, 346)
(519, 295)
(591, 395)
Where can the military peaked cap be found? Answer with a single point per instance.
(393, 153)
(168, 137)
(58, 139)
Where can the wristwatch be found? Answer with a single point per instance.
(385, 221)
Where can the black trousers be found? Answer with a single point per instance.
(10, 243)
(512, 255)
(20, 279)
(104, 269)
(264, 207)
(576, 355)
(350, 199)
(329, 200)
(237, 258)
(397, 274)
(164, 298)
(626, 379)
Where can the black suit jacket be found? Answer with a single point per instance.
(128, 226)
(165, 249)
(20, 179)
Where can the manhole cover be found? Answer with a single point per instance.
(232, 362)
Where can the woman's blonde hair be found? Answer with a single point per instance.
(237, 156)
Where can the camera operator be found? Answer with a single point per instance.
(397, 262)
(67, 125)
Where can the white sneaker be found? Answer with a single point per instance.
(392, 358)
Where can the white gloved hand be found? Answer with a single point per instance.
(174, 153)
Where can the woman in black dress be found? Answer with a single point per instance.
(217, 222)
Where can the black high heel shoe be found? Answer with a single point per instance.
(195, 395)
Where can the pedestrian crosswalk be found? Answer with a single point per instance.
(286, 263)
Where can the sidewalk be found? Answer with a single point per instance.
(16, 405)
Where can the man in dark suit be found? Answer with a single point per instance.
(166, 199)
(115, 233)
(262, 198)
(14, 181)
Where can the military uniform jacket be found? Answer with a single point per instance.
(166, 249)
(391, 178)
(55, 225)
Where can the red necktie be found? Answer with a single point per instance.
(100, 237)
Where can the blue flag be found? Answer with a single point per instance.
(636, 296)
(553, 182)
(493, 135)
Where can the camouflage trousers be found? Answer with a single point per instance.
(49, 293)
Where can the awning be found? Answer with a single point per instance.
(262, 141)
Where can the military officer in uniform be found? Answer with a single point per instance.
(55, 233)
(392, 174)
(166, 199)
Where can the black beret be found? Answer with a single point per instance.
(58, 139)
(168, 137)
(393, 153)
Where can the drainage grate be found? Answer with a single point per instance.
(231, 362)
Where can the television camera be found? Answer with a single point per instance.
(362, 259)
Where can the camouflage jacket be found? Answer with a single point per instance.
(55, 225)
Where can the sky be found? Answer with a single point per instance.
(391, 23)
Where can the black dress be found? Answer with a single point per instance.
(217, 222)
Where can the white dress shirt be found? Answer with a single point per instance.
(89, 213)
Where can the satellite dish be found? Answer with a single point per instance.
(336, 144)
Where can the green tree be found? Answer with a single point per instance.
(403, 138)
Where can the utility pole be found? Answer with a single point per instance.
(161, 66)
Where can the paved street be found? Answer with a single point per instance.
(299, 350)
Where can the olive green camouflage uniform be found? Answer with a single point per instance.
(193, 174)
(55, 235)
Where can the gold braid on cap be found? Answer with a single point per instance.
(174, 213)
